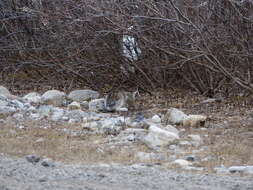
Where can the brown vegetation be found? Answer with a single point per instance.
(206, 46)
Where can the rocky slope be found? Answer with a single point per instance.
(19, 174)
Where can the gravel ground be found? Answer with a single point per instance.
(18, 174)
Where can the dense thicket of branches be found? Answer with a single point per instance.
(206, 45)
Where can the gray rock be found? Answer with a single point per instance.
(158, 137)
(83, 95)
(74, 106)
(6, 111)
(76, 115)
(185, 143)
(241, 169)
(190, 158)
(33, 98)
(57, 114)
(17, 104)
(32, 158)
(3, 103)
(131, 135)
(112, 126)
(18, 116)
(40, 140)
(144, 156)
(156, 119)
(182, 163)
(46, 162)
(97, 105)
(171, 129)
(91, 126)
(221, 170)
(54, 97)
(84, 105)
(45, 110)
(17, 174)
(31, 109)
(195, 140)
(35, 116)
(174, 116)
(4, 91)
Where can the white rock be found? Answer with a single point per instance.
(174, 116)
(71, 121)
(182, 163)
(97, 104)
(57, 114)
(158, 137)
(196, 139)
(32, 109)
(112, 125)
(194, 121)
(173, 147)
(144, 156)
(17, 104)
(18, 116)
(83, 95)
(76, 115)
(74, 106)
(33, 98)
(3, 103)
(244, 169)
(44, 110)
(191, 168)
(4, 91)
(84, 105)
(54, 97)
(6, 111)
(35, 116)
(156, 119)
(64, 118)
(221, 170)
(91, 126)
(123, 109)
(21, 127)
(172, 129)
(185, 143)
(39, 140)
(47, 162)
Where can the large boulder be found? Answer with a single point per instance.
(33, 98)
(159, 138)
(83, 95)
(174, 116)
(54, 97)
(5, 92)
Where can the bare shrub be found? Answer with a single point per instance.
(206, 46)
